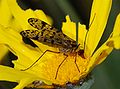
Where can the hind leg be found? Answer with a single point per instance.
(76, 63)
(39, 59)
(60, 66)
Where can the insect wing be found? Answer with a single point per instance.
(47, 34)
(37, 23)
(31, 34)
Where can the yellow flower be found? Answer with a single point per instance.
(10, 26)
(45, 69)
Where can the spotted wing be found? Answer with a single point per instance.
(47, 34)
(38, 24)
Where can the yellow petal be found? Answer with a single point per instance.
(81, 35)
(116, 30)
(100, 55)
(117, 42)
(13, 41)
(3, 52)
(5, 15)
(10, 74)
(41, 15)
(21, 17)
(98, 20)
(69, 28)
(113, 42)
(116, 33)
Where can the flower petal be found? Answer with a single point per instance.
(13, 75)
(116, 33)
(113, 42)
(69, 28)
(13, 41)
(98, 20)
(81, 35)
(3, 52)
(21, 17)
(5, 15)
(41, 15)
(100, 55)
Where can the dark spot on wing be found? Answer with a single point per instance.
(29, 42)
(54, 33)
(52, 41)
(42, 33)
(51, 37)
(45, 39)
(43, 24)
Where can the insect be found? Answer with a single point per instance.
(50, 36)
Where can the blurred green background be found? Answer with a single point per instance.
(107, 74)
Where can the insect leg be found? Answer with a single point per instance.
(76, 63)
(38, 59)
(60, 65)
